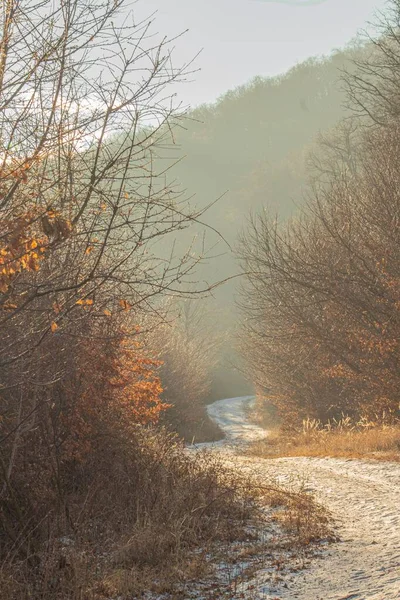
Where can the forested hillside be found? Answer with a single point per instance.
(119, 222)
(252, 145)
(250, 150)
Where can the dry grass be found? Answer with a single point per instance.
(155, 519)
(135, 514)
(304, 520)
(283, 536)
(343, 438)
(151, 517)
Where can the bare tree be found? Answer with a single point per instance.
(321, 318)
(87, 220)
(84, 110)
(373, 87)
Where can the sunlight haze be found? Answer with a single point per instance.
(199, 299)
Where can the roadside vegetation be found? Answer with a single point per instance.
(320, 302)
(187, 346)
(340, 439)
(95, 495)
(101, 339)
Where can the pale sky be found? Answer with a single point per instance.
(240, 39)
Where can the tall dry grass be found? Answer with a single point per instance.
(145, 515)
(132, 515)
(365, 438)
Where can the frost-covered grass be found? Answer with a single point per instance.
(148, 509)
(282, 537)
(161, 521)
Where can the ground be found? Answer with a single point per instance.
(364, 499)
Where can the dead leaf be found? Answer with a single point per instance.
(56, 308)
(125, 304)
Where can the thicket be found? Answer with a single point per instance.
(187, 345)
(84, 477)
(321, 294)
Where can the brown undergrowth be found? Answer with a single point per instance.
(154, 518)
(148, 516)
(130, 519)
(283, 535)
(194, 425)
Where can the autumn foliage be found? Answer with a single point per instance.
(20, 250)
(111, 387)
(81, 213)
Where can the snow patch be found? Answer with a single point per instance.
(231, 416)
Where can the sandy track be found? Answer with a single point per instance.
(364, 498)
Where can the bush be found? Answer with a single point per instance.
(139, 502)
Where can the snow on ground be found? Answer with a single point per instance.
(230, 415)
(363, 497)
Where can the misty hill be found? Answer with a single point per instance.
(252, 144)
(251, 147)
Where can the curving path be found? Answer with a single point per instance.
(364, 498)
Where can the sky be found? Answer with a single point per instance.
(240, 39)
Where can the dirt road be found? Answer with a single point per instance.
(364, 498)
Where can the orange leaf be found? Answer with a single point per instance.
(107, 312)
(125, 304)
(10, 306)
(54, 326)
(85, 302)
